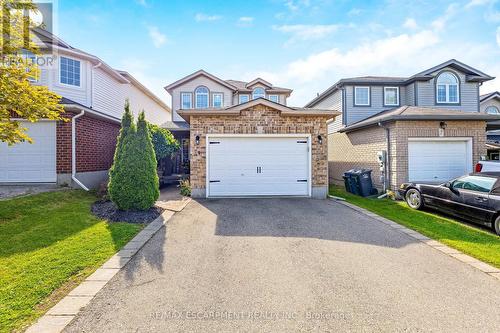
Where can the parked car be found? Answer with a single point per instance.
(474, 197)
(487, 166)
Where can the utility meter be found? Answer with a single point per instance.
(381, 158)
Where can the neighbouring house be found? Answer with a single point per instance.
(78, 152)
(490, 103)
(425, 128)
(242, 139)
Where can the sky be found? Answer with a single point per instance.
(305, 45)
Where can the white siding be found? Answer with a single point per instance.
(109, 94)
(139, 101)
(491, 102)
(332, 102)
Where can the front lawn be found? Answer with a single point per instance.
(476, 242)
(50, 242)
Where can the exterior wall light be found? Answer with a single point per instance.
(320, 139)
(443, 125)
(197, 140)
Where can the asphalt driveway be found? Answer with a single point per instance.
(288, 265)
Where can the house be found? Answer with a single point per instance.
(490, 103)
(242, 138)
(426, 128)
(78, 152)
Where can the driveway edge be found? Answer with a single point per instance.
(61, 314)
(451, 252)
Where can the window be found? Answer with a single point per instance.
(201, 96)
(70, 72)
(447, 88)
(244, 98)
(475, 183)
(391, 96)
(361, 96)
(492, 110)
(274, 98)
(258, 93)
(217, 100)
(186, 101)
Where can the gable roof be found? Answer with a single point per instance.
(196, 74)
(472, 75)
(417, 113)
(259, 80)
(145, 90)
(491, 95)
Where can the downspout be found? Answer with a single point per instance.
(73, 150)
(387, 177)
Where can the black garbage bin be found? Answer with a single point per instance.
(350, 182)
(363, 180)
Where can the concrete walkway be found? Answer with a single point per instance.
(285, 265)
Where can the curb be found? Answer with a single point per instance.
(451, 252)
(61, 314)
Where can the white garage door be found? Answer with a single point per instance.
(31, 163)
(258, 166)
(438, 160)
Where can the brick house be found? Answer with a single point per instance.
(427, 127)
(78, 152)
(244, 140)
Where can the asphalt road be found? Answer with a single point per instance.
(283, 265)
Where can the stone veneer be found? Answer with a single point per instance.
(259, 119)
(358, 149)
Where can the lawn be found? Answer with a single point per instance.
(50, 242)
(476, 242)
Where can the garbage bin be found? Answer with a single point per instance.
(350, 182)
(363, 180)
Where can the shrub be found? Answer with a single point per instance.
(185, 187)
(164, 142)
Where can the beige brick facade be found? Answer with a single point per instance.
(359, 148)
(259, 119)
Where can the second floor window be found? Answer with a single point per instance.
(186, 101)
(492, 110)
(447, 88)
(258, 93)
(361, 96)
(201, 97)
(274, 98)
(217, 100)
(391, 96)
(70, 72)
(243, 98)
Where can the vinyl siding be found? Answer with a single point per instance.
(139, 101)
(409, 97)
(109, 95)
(491, 102)
(469, 94)
(332, 102)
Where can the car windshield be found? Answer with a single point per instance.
(475, 183)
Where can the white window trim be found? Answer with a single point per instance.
(253, 92)
(196, 97)
(241, 95)
(190, 100)
(277, 98)
(369, 93)
(397, 96)
(492, 107)
(221, 99)
(447, 89)
(60, 69)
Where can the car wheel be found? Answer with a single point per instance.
(414, 199)
(497, 225)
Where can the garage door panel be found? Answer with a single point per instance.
(36, 162)
(233, 166)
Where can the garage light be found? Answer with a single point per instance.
(320, 139)
(443, 125)
(197, 140)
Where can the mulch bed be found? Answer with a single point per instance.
(108, 211)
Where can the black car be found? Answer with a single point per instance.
(475, 197)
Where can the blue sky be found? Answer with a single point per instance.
(305, 45)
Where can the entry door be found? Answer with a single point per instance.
(438, 161)
(258, 166)
(31, 162)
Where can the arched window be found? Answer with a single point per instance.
(447, 88)
(201, 97)
(258, 92)
(492, 110)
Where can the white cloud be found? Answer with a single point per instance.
(156, 36)
(307, 32)
(440, 22)
(410, 23)
(245, 21)
(474, 3)
(498, 36)
(201, 17)
(297, 4)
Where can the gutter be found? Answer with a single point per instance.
(73, 150)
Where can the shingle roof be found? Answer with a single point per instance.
(418, 113)
(484, 97)
(175, 126)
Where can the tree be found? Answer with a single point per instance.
(164, 142)
(133, 180)
(18, 97)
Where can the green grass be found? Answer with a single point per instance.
(48, 243)
(476, 242)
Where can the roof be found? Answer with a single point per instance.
(234, 85)
(235, 110)
(417, 113)
(472, 75)
(145, 90)
(175, 126)
(494, 94)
